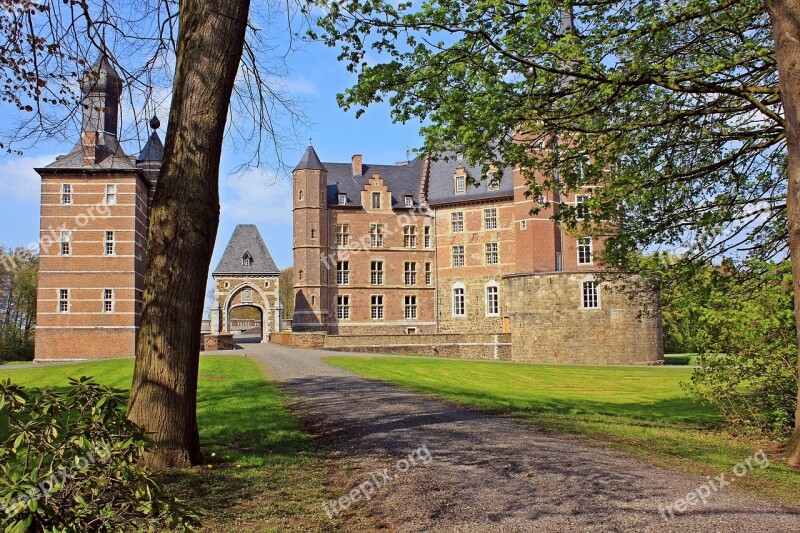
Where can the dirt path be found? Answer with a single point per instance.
(490, 473)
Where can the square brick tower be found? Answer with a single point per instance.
(94, 217)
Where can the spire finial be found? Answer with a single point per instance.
(154, 122)
(309, 142)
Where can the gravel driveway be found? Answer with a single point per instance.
(491, 473)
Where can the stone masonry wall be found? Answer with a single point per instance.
(485, 346)
(550, 325)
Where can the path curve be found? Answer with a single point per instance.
(492, 473)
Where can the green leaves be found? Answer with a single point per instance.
(71, 463)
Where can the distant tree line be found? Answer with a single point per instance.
(18, 270)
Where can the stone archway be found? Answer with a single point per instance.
(248, 294)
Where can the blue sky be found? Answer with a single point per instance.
(249, 197)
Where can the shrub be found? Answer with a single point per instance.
(71, 463)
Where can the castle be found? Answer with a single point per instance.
(435, 249)
(425, 256)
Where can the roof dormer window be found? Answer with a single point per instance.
(461, 184)
(409, 200)
(342, 198)
(247, 259)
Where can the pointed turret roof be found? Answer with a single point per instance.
(154, 149)
(246, 240)
(310, 161)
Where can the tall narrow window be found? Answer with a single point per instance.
(300, 195)
(461, 184)
(342, 234)
(492, 254)
(343, 307)
(66, 194)
(459, 301)
(427, 236)
(490, 219)
(376, 235)
(377, 307)
(581, 209)
(585, 251)
(343, 273)
(376, 200)
(66, 242)
(342, 199)
(300, 275)
(411, 273)
(376, 272)
(63, 300)
(492, 300)
(313, 233)
(428, 274)
(458, 256)
(457, 222)
(591, 299)
(108, 300)
(411, 307)
(409, 236)
(110, 245)
(111, 194)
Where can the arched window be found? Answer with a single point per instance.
(459, 300)
(300, 195)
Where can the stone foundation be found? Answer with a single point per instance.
(218, 343)
(475, 346)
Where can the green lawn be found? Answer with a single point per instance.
(641, 410)
(267, 474)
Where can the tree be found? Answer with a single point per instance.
(206, 52)
(287, 293)
(684, 112)
(18, 272)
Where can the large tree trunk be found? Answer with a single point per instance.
(785, 15)
(183, 228)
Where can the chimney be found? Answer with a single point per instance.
(358, 167)
(89, 142)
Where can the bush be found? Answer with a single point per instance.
(71, 463)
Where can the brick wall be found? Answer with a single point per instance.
(550, 325)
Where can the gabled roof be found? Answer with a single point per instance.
(246, 239)
(441, 186)
(401, 179)
(310, 161)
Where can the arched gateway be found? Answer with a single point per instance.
(246, 277)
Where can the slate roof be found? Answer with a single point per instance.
(441, 187)
(310, 161)
(109, 155)
(246, 238)
(153, 150)
(401, 179)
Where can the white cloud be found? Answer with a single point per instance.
(19, 181)
(257, 197)
(293, 86)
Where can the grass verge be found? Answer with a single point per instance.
(267, 474)
(642, 411)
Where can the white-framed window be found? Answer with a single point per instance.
(343, 307)
(410, 307)
(428, 274)
(410, 273)
(111, 194)
(490, 218)
(342, 234)
(409, 236)
(457, 221)
(376, 200)
(342, 198)
(459, 301)
(590, 295)
(109, 246)
(585, 251)
(492, 300)
(409, 200)
(493, 181)
(581, 209)
(492, 253)
(343, 273)
(458, 256)
(427, 236)
(247, 296)
(376, 307)
(108, 300)
(66, 194)
(63, 300)
(459, 155)
(461, 184)
(247, 259)
(376, 272)
(66, 243)
(376, 235)
(523, 225)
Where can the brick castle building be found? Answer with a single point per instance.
(94, 217)
(431, 248)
